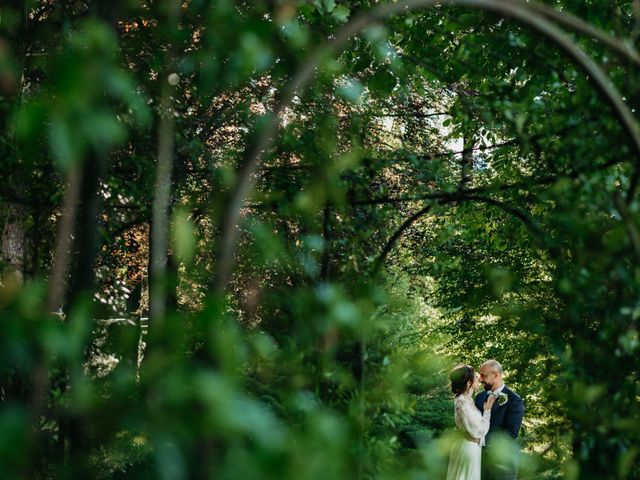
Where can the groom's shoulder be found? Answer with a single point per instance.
(511, 393)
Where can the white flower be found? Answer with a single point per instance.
(503, 398)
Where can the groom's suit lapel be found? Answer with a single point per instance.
(506, 391)
(480, 399)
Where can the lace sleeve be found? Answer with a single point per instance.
(474, 423)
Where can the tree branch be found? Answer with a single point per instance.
(457, 197)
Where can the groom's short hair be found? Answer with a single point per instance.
(493, 365)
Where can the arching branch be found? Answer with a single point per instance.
(397, 234)
(510, 209)
(577, 24)
(454, 198)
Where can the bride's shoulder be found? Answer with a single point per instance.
(459, 400)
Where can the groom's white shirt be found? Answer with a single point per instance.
(498, 390)
(495, 392)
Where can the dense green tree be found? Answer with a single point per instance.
(249, 239)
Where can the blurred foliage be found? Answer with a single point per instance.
(314, 363)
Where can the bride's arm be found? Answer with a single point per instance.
(475, 423)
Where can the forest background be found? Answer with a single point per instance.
(248, 239)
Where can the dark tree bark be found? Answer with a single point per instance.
(14, 241)
(81, 285)
(466, 164)
(83, 276)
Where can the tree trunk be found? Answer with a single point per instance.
(14, 236)
(81, 286)
(466, 165)
(159, 231)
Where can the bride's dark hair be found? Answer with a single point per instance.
(460, 378)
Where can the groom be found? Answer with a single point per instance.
(506, 418)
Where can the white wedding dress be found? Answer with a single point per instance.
(464, 462)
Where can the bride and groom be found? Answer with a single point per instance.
(488, 426)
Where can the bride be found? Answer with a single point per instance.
(464, 462)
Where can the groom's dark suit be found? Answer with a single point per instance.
(505, 421)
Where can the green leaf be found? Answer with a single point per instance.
(104, 130)
(341, 14)
(29, 121)
(329, 5)
(67, 146)
(467, 20)
(184, 239)
(382, 83)
(254, 52)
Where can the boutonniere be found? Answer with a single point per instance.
(503, 398)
